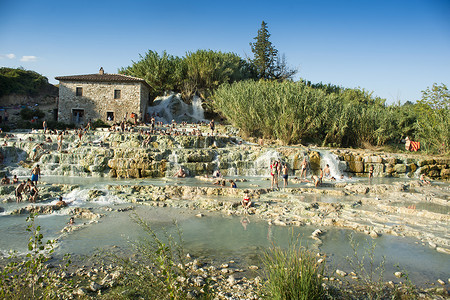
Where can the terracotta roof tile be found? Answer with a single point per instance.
(102, 78)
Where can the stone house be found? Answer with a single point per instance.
(108, 97)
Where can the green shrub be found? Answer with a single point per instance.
(292, 273)
(100, 124)
(29, 114)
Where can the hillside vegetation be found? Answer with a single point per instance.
(25, 82)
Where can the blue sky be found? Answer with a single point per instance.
(394, 48)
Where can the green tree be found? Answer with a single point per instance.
(266, 61)
(207, 69)
(265, 54)
(433, 118)
(162, 72)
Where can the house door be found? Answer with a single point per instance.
(77, 116)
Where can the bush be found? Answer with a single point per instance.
(100, 124)
(292, 273)
(29, 114)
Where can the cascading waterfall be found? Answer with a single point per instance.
(172, 107)
(262, 163)
(337, 167)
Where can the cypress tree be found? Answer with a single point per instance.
(265, 55)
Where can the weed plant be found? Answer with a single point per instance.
(31, 278)
(292, 273)
(157, 271)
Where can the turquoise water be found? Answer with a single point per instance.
(214, 237)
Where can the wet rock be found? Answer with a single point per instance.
(316, 233)
(357, 188)
(398, 274)
(124, 209)
(94, 286)
(231, 280)
(441, 282)
(1, 209)
(373, 234)
(80, 292)
(198, 281)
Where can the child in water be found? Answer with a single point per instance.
(246, 202)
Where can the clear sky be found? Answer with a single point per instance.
(394, 48)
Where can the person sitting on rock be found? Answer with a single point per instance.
(5, 180)
(316, 180)
(246, 202)
(423, 180)
(15, 179)
(233, 184)
(180, 173)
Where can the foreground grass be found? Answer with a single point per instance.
(293, 273)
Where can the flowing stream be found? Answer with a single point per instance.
(213, 237)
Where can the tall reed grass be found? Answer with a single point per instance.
(294, 112)
(292, 273)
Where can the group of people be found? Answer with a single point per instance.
(278, 169)
(29, 186)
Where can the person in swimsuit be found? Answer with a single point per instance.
(304, 168)
(316, 180)
(60, 141)
(5, 180)
(180, 173)
(285, 175)
(233, 184)
(246, 202)
(35, 150)
(371, 171)
(61, 202)
(33, 193)
(212, 126)
(274, 174)
(326, 171)
(19, 190)
(35, 173)
(44, 124)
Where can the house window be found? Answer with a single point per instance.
(79, 91)
(110, 116)
(77, 116)
(116, 94)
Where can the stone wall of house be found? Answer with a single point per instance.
(98, 99)
(145, 101)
